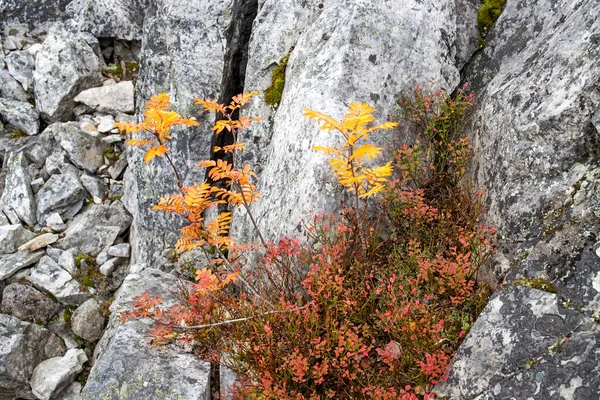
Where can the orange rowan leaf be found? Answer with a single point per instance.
(328, 123)
(211, 105)
(155, 151)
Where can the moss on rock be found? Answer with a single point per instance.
(274, 92)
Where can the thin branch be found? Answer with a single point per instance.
(233, 321)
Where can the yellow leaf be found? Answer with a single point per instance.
(329, 123)
(366, 152)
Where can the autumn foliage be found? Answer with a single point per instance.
(370, 308)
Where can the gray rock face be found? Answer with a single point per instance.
(48, 275)
(84, 150)
(96, 228)
(27, 303)
(21, 115)
(10, 88)
(21, 65)
(32, 12)
(325, 71)
(23, 348)
(72, 392)
(122, 250)
(128, 367)
(87, 321)
(518, 325)
(59, 194)
(52, 376)
(13, 236)
(189, 69)
(12, 263)
(109, 99)
(121, 19)
(17, 189)
(67, 63)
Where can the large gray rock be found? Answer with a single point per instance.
(174, 60)
(517, 326)
(13, 263)
(121, 19)
(399, 44)
(17, 189)
(84, 150)
(34, 13)
(67, 63)
(21, 65)
(24, 346)
(48, 275)
(13, 236)
(21, 115)
(10, 88)
(94, 185)
(96, 228)
(27, 303)
(128, 367)
(111, 99)
(59, 194)
(87, 321)
(52, 376)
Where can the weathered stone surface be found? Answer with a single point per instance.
(21, 65)
(10, 88)
(94, 185)
(55, 222)
(12, 263)
(27, 303)
(21, 115)
(67, 63)
(122, 250)
(39, 242)
(72, 392)
(106, 123)
(17, 189)
(121, 19)
(96, 228)
(87, 321)
(519, 324)
(48, 275)
(334, 47)
(109, 99)
(52, 376)
(67, 261)
(21, 351)
(58, 195)
(118, 167)
(192, 68)
(84, 150)
(128, 366)
(109, 266)
(34, 13)
(13, 236)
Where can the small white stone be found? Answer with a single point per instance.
(55, 222)
(67, 262)
(37, 184)
(108, 267)
(122, 250)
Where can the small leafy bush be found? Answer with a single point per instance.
(372, 308)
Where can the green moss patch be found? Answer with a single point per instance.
(536, 283)
(487, 15)
(274, 92)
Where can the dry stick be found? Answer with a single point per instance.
(233, 321)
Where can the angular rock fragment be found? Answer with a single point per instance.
(67, 63)
(12, 263)
(94, 185)
(13, 236)
(52, 376)
(10, 88)
(122, 250)
(48, 275)
(109, 266)
(17, 189)
(23, 348)
(21, 65)
(118, 167)
(96, 228)
(55, 222)
(84, 150)
(87, 321)
(39, 242)
(58, 195)
(109, 99)
(21, 115)
(27, 303)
